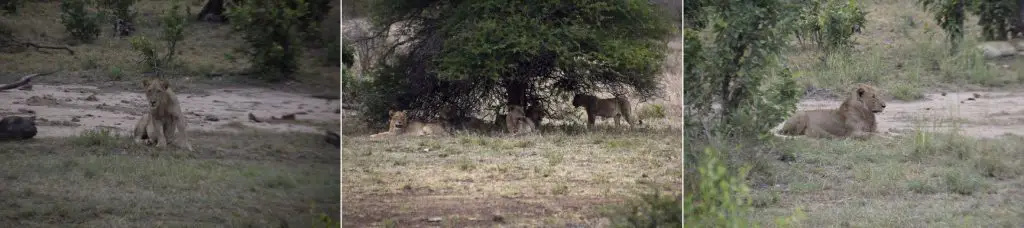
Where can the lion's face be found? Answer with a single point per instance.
(397, 119)
(868, 95)
(577, 100)
(155, 90)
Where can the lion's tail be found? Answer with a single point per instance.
(626, 108)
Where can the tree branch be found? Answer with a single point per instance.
(24, 80)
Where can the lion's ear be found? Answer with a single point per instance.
(145, 83)
(860, 91)
(164, 84)
(391, 112)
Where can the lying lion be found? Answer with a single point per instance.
(855, 118)
(399, 124)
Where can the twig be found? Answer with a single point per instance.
(24, 80)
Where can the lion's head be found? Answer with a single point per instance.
(868, 95)
(580, 99)
(156, 91)
(397, 119)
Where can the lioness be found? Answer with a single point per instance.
(618, 107)
(517, 122)
(164, 118)
(854, 118)
(399, 124)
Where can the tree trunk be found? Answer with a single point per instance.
(213, 11)
(515, 93)
(1020, 18)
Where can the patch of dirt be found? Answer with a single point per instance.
(978, 114)
(458, 211)
(65, 110)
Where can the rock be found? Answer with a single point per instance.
(76, 119)
(996, 49)
(92, 97)
(211, 118)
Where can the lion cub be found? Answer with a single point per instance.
(400, 125)
(164, 117)
(517, 122)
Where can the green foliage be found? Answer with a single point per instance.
(173, 31)
(272, 30)
(145, 48)
(738, 67)
(722, 198)
(996, 17)
(11, 6)
(468, 54)
(829, 23)
(653, 209)
(80, 22)
(120, 9)
(173, 24)
(950, 16)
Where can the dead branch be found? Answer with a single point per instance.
(11, 42)
(24, 80)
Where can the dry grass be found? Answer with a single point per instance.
(100, 179)
(554, 179)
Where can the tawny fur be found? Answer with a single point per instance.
(399, 124)
(164, 119)
(517, 122)
(855, 118)
(617, 107)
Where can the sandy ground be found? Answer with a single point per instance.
(978, 114)
(64, 110)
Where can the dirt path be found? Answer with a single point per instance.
(978, 114)
(64, 110)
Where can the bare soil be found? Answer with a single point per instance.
(65, 110)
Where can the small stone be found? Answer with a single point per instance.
(976, 95)
(943, 94)
(76, 119)
(92, 97)
(212, 118)
(25, 110)
(970, 98)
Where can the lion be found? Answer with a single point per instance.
(617, 107)
(399, 124)
(517, 122)
(855, 118)
(164, 119)
(17, 127)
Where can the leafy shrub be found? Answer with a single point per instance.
(82, 23)
(721, 199)
(830, 23)
(653, 209)
(272, 30)
(11, 6)
(173, 24)
(120, 9)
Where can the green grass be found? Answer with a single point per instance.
(98, 178)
